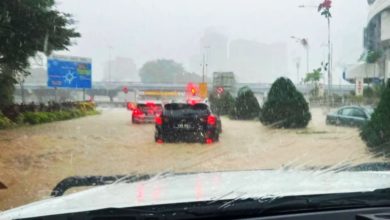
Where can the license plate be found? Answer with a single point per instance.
(185, 126)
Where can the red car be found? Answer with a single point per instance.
(146, 111)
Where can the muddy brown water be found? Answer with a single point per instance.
(34, 158)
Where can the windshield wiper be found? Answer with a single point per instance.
(78, 181)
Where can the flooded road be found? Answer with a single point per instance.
(34, 158)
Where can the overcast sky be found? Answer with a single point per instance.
(149, 29)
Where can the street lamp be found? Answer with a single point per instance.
(204, 64)
(305, 44)
(297, 65)
(324, 8)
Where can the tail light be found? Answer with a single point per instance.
(158, 120)
(137, 111)
(209, 141)
(160, 141)
(211, 120)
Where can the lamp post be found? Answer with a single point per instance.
(305, 44)
(204, 63)
(324, 9)
(297, 65)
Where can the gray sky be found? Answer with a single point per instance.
(150, 29)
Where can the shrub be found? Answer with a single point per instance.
(41, 113)
(376, 133)
(31, 118)
(246, 105)
(285, 106)
(11, 112)
(221, 104)
(4, 121)
(368, 92)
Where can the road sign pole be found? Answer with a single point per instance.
(55, 94)
(83, 94)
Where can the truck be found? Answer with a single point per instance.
(225, 80)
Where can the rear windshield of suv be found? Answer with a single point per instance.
(183, 108)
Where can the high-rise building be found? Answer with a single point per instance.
(120, 69)
(213, 48)
(37, 76)
(376, 62)
(252, 61)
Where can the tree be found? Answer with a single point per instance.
(7, 90)
(221, 104)
(313, 78)
(187, 77)
(285, 106)
(160, 71)
(324, 8)
(373, 56)
(246, 105)
(28, 27)
(376, 133)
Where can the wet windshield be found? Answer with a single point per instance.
(293, 90)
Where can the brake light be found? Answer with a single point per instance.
(209, 141)
(137, 112)
(160, 141)
(158, 120)
(192, 102)
(211, 120)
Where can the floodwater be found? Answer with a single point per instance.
(34, 158)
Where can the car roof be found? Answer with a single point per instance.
(186, 103)
(355, 106)
(157, 102)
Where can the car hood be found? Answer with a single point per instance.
(173, 188)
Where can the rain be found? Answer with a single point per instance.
(254, 85)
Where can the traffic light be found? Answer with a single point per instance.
(192, 89)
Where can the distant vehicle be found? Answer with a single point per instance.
(146, 111)
(187, 122)
(350, 116)
(131, 106)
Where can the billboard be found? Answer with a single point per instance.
(69, 72)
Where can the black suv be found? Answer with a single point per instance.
(187, 122)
